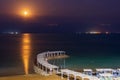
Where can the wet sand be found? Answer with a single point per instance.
(36, 77)
(32, 77)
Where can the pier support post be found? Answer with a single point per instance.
(48, 55)
(46, 70)
(50, 71)
(57, 70)
(61, 75)
(82, 78)
(68, 77)
(74, 77)
(37, 63)
(53, 54)
(42, 67)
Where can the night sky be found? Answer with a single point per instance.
(60, 15)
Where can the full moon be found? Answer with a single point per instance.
(25, 13)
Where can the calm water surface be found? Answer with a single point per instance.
(86, 51)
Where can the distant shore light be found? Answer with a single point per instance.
(107, 32)
(95, 32)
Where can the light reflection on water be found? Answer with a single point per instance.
(85, 51)
(26, 51)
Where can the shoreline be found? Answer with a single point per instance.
(36, 77)
(32, 77)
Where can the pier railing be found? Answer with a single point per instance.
(42, 65)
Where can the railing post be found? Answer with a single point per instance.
(68, 76)
(61, 75)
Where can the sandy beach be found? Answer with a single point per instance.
(32, 77)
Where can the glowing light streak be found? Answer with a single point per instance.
(26, 51)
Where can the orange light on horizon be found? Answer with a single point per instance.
(28, 10)
(26, 51)
(95, 32)
(25, 13)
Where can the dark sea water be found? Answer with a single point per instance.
(85, 51)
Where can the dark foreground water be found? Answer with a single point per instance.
(85, 51)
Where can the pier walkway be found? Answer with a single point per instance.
(45, 68)
(76, 75)
(42, 62)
